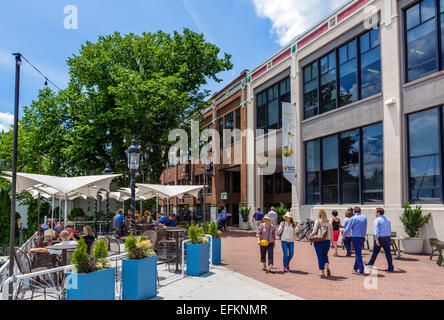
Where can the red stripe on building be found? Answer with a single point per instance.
(259, 72)
(313, 35)
(344, 14)
(281, 57)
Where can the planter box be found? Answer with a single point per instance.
(198, 259)
(99, 285)
(413, 245)
(216, 245)
(139, 279)
(245, 225)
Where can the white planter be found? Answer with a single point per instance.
(245, 225)
(413, 245)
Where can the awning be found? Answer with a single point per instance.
(166, 192)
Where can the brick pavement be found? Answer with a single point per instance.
(414, 278)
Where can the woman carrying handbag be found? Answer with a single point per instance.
(286, 232)
(266, 233)
(321, 236)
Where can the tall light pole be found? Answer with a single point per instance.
(107, 171)
(18, 61)
(133, 154)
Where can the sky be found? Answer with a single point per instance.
(250, 30)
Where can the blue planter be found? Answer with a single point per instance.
(139, 279)
(99, 285)
(198, 259)
(216, 250)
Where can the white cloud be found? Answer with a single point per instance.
(6, 120)
(292, 17)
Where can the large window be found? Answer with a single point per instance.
(220, 128)
(229, 125)
(238, 124)
(346, 167)
(425, 156)
(423, 41)
(357, 67)
(235, 177)
(269, 105)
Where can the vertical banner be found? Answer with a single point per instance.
(288, 142)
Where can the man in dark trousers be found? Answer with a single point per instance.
(383, 239)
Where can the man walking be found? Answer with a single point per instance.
(357, 229)
(383, 239)
(273, 216)
(257, 218)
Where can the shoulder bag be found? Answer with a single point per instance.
(321, 234)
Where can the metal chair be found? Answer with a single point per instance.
(393, 244)
(113, 246)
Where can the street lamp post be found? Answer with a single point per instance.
(107, 171)
(133, 154)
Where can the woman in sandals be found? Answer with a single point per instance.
(287, 233)
(266, 233)
(321, 236)
(336, 223)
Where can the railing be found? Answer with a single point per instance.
(4, 270)
(101, 226)
(51, 284)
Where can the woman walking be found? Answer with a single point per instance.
(336, 223)
(266, 233)
(321, 236)
(347, 240)
(287, 233)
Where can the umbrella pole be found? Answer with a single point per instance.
(52, 212)
(66, 209)
(60, 209)
(157, 203)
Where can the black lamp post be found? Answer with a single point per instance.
(133, 154)
(107, 171)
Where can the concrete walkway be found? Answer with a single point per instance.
(219, 284)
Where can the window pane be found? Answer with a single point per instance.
(371, 73)
(428, 9)
(307, 73)
(328, 84)
(278, 182)
(330, 153)
(374, 38)
(421, 48)
(424, 133)
(330, 169)
(373, 183)
(311, 92)
(313, 156)
(425, 179)
(412, 17)
(312, 166)
(273, 114)
(364, 42)
(348, 82)
(312, 188)
(441, 6)
(372, 148)
(373, 163)
(350, 170)
(261, 117)
(324, 64)
(269, 184)
(442, 33)
(351, 48)
(343, 54)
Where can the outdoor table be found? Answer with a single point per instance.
(176, 234)
(398, 256)
(64, 249)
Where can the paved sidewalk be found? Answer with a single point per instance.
(219, 284)
(414, 278)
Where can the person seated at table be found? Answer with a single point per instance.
(88, 233)
(50, 233)
(72, 232)
(137, 218)
(149, 217)
(64, 240)
(45, 226)
(119, 222)
(169, 221)
(158, 217)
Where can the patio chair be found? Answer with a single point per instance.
(437, 246)
(152, 237)
(113, 246)
(393, 244)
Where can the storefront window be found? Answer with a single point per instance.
(350, 166)
(372, 157)
(425, 157)
(235, 177)
(330, 169)
(421, 39)
(312, 165)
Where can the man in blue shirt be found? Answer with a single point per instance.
(383, 239)
(357, 229)
(119, 222)
(257, 218)
(223, 220)
(168, 221)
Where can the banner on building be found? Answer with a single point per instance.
(288, 142)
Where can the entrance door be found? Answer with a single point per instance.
(235, 213)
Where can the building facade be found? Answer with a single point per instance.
(367, 85)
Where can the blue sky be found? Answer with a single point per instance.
(250, 30)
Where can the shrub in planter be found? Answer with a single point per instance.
(139, 271)
(198, 252)
(245, 213)
(215, 243)
(413, 220)
(281, 211)
(94, 279)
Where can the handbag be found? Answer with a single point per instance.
(265, 243)
(321, 234)
(282, 230)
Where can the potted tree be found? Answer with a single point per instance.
(94, 278)
(215, 243)
(139, 271)
(413, 220)
(198, 252)
(245, 213)
(281, 211)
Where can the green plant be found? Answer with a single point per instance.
(196, 235)
(138, 248)
(281, 211)
(76, 213)
(100, 253)
(213, 231)
(245, 213)
(413, 219)
(81, 259)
